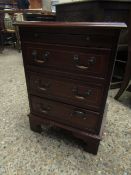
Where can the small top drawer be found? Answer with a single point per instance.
(89, 39)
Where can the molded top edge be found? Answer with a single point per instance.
(72, 24)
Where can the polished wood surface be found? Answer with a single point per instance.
(75, 92)
(78, 25)
(81, 60)
(68, 81)
(65, 114)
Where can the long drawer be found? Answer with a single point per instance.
(67, 114)
(65, 36)
(82, 61)
(86, 95)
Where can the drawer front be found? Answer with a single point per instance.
(80, 61)
(91, 39)
(77, 93)
(67, 114)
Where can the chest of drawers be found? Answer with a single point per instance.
(68, 68)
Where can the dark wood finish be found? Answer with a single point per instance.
(66, 114)
(68, 82)
(88, 38)
(105, 10)
(69, 59)
(88, 95)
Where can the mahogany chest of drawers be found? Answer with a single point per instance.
(68, 68)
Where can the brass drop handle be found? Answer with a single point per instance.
(91, 61)
(44, 110)
(44, 87)
(82, 67)
(46, 54)
(34, 54)
(76, 59)
(81, 96)
(40, 61)
(35, 57)
(78, 112)
(44, 57)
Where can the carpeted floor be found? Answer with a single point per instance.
(23, 152)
